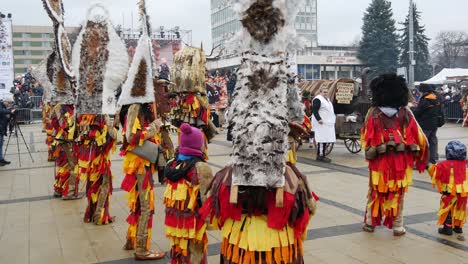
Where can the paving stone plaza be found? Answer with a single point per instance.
(36, 228)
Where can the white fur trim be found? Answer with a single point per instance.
(116, 71)
(143, 51)
(66, 67)
(117, 64)
(56, 16)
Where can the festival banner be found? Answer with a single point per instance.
(6, 57)
(216, 89)
(162, 49)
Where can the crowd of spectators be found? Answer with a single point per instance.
(25, 86)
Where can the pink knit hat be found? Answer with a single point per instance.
(191, 141)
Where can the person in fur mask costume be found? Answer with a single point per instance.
(450, 177)
(261, 203)
(62, 77)
(393, 143)
(187, 178)
(140, 127)
(100, 62)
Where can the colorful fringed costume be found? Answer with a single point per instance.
(138, 117)
(47, 116)
(451, 179)
(187, 179)
(138, 179)
(66, 180)
(256, 228)
(100, 62)
(261, 203)
(96, 144)
(191, 104)
(62, 78)
(394, 144)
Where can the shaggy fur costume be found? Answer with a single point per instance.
(261, 203)
(139, 88)
(100, 61)
(192, 105)
(60, 74)
(59, 69)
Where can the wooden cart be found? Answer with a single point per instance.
(351, 105)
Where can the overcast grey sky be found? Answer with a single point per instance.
(339, 21)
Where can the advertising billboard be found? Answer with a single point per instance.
(6, 57)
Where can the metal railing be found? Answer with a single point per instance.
(24, 115)
(453, 111)
(36, 101)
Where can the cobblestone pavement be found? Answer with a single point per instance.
(35, 228)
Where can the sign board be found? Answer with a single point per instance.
(344, 93)
(6, 57)
(162, 49)
(342, 60)
(216, 90)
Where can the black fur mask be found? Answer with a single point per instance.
(389, 90)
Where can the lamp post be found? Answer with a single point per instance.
(411, 45)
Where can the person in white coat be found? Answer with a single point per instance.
(323, 123)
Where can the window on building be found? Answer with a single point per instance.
(26, 35)
(26, 44)
(37, 52)
(46, 44)
(46, 35)
(20, 70)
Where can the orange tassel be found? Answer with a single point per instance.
(235, 254)
(284, 253)
(268, 257)
(277, 254)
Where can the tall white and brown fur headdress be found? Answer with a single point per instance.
(262, 111)
(59, 70)
(139, 88)
(100, 61)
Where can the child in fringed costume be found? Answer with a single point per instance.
(188, 75)
(40, 73)
(261, 204)
(187, 177)
(100, 62)
(140, 128)
(451, 179)
(393, 143)
(61, 75)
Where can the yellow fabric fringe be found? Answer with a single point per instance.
(450, 187)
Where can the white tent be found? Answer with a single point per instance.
(441, 77)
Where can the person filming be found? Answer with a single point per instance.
(5, 115)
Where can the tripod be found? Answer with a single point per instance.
(16, 130)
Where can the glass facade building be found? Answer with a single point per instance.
(224, 22)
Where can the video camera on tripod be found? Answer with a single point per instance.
(13, 127)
